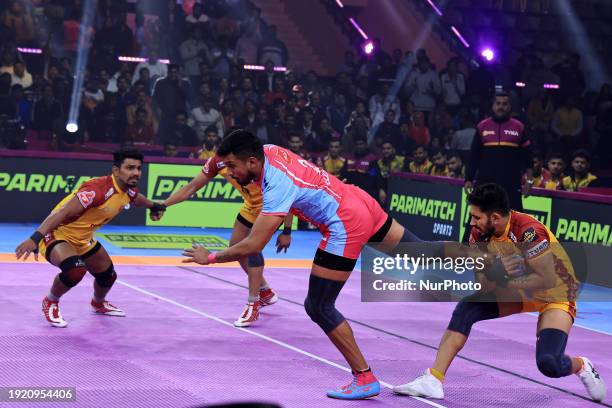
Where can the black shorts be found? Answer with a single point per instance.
(244, 221)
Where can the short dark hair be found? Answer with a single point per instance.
(242, 144)
(454, 153)
(211, 128)
(555, 155)
(126, 153)
(582, 153)
(490, 198)
(438, 150)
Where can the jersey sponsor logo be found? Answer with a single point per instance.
(511, 132)
(537, 249)
(486, 133)
(285, 156)
(109, 193)
(512, 237)
(529, 235)
(86, 198)
(131, 193)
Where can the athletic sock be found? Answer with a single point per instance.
(253, 299)
(52, 297)
(437, 374)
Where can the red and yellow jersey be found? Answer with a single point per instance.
(534, 239)
(250, 193)
(102, 200)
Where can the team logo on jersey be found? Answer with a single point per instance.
(511, 132)
(512, 237)
(109, 193)
(86, 198)
(131, 193)
(285, 156)
(486, 133)
(537, 249)
(529, 235)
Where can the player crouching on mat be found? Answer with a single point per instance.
(549, 288)
(260, 293)
(66, 236)
(347, 217)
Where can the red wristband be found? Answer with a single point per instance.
(212, 258)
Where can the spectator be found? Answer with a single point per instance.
(439, 163)
(296, 145)
(556, 167)
(389, 131)
(8, 61)
(348, 66)
(423, 87)
(182, 133)
(389, 162)
(418, 131)
(142, 102)
(248, 44)
(360, 169)
(338, 113)
(19, 21)
(193, 52)
(197, 16)
(224, 58)
(318, 141)
(249, 117)
(140, 131)
(210, 145)
(247, 91)
(205, 115)
(455, 166)
(332, 162)
(453, 86)
(228, 112)
(170, 150)
(272, 49)
(263, 128)
(420, 163)
(156, 68)
(380, 103)
(567, 125)
(278, 92)
(265, 80)
(169, 97)
(581, 177)
(572, 84)
(21, 76)
(23, 106)
(462, 139)
(540, 176)
(540, 112)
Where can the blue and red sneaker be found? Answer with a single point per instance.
(364, 385)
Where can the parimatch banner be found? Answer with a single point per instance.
(216, 205)
(30, 188)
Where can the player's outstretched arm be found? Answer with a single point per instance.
(73, 209)
(188, 190)
(265, 226)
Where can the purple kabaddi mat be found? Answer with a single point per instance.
(177, 348)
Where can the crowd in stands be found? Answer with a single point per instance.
(361, 124)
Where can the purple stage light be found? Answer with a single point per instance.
(436, 9)
(368, 47)
(358, 28)
(488, 54)
(458, 34)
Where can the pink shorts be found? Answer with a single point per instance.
(358, 218)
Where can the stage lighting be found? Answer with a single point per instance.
(488, 54)
(368, 47)
(72, 127)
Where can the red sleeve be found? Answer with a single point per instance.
(212, 166)
(474, 236)
(91, 193)
(534, 239)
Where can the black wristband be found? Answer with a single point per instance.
(36, 237)
(286, 231)
(157, 207)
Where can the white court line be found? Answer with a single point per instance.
(579, 325)
(261, 336)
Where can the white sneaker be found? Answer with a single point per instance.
(52, 313)
(592, 380)
(426, 386)
(106, 309)
(249, 315)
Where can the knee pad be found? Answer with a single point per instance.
(550, 354)
(255, 261)
(472, 309)
(320, 303)
(73, 269)
(106, 278)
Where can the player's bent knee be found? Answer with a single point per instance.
(470, 310)
(320, 303)
(255, 261)
(107, 278)
(73, 269)
(550, 354)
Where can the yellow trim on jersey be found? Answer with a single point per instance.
(501, 144)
